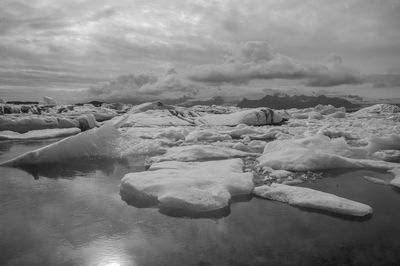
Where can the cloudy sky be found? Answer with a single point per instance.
(147, 49)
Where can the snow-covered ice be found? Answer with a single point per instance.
(188, 186)
(310, 198)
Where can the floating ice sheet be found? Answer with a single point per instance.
(310, 198)
(188, 186)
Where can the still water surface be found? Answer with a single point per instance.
(72, 214)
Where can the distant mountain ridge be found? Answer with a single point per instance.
(296, 101)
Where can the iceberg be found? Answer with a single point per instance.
(96, 142)
(310, 198)
(188, 186)
(200, 152)
(39, 134)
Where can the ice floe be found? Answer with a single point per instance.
(188, 186)
(310, 198)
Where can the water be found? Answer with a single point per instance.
(73, 215)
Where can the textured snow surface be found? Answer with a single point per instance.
(39, 134)
(310, 198)
(189, 186)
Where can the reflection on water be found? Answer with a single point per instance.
(83, 221)
(75, 167)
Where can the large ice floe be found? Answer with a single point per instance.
(187, 186)
(310, 198)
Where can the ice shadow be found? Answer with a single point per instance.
(396, 189)
(74, 167)
(152, 202)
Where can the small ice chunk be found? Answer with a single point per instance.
(200, 152)
(39, 134)
(188, 186)
(310, 198)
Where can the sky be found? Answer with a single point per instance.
(139, 50)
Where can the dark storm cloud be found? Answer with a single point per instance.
(257, 60)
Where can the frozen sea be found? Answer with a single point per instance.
(72, 214)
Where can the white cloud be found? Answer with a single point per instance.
(146, 87)
(257, 60)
